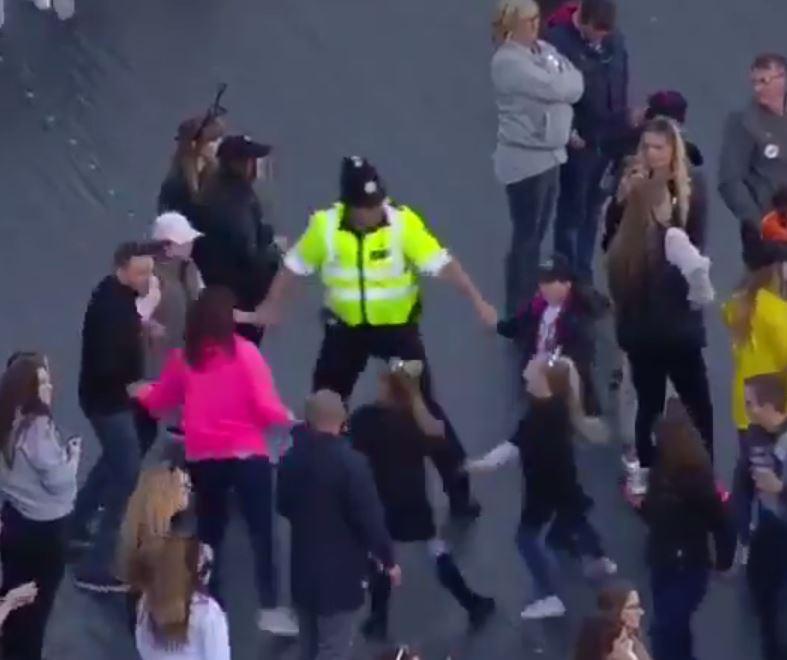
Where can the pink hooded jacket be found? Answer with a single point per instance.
(228, 403)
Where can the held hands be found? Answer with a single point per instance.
(135, 389)
(264, 315)
(575, 141)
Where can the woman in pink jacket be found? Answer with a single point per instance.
(229, 401)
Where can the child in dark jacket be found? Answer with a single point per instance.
(683, 511)
(761, 472)
(562, 313)
(552, 492)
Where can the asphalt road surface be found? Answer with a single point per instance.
(87, 118)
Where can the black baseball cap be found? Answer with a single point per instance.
(241, 147)
(359, 184)
(555, 269)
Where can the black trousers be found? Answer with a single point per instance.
(343, 356)
(30, 551)
(649, 373)
(767, 574)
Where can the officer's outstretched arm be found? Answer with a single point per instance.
(268, 312)
(454, 273)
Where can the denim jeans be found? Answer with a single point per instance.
(531, 546)
(532, 204)
(742, 497)
(252, 481)
(328, 637)
(109, 484)
(677, 593)
(579, 208)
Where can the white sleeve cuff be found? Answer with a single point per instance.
(680, 252)
(295, 263)
(436, 263)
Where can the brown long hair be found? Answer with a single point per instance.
(612, 597)
(19, 397)
(210, 321)
(147, 523)
(188, 155)
(168, 597)
(681, 454)
(597, 637)
(744, 299)
(633, 250)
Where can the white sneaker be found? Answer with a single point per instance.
(630, 464)
(64, 9)
(43, 5)
(638, 481)
(278, 621)
(546, 608)
(595, 569)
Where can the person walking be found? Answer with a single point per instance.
(396, 433)
(753, 162)
(112, 360)
(591, 40)
(38, 470)
(369, 253)
(658, 311)
(237, 250)
(327, 492)
(543, 442)
(683, 511)
(229, 403)
(177, 619)
(535, 87)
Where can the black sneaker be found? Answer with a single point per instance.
(99, 582)
(481, 611)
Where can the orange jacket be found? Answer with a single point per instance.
(774, 227)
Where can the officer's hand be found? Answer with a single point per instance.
(488, 314)
(266, 315)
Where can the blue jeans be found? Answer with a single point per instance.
(579, 208)
(252, 481)
(530, 543)
(677, 593)
(532, 204)
(109, 484)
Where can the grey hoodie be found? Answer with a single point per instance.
(41, 481)
(535, 88)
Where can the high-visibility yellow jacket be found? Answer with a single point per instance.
(370, 278)
(764, 352)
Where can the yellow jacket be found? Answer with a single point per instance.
(764, 352)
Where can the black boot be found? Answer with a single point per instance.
(478, 608)
(376, 625)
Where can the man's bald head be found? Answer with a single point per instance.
(325, 411)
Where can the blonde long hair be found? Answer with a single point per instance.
(167, 599)
(633, 251)
(508, 14)
(564, 382)
(147, 524)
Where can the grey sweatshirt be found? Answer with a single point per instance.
(535, 88)
(41, 481)
(753, 161)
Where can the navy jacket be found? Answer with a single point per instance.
(326, 490)
(601, 115)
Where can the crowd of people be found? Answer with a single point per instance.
(184, 405)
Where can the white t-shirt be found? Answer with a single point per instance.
(547, 329)
(208, 637)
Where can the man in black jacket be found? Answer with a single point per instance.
(589, 39)
(237, 250)
(112, 359)
(327, 492)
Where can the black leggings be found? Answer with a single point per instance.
(30, 551)
(649, 373)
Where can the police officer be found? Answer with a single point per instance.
(369, 252)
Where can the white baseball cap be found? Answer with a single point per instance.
(175, 228)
